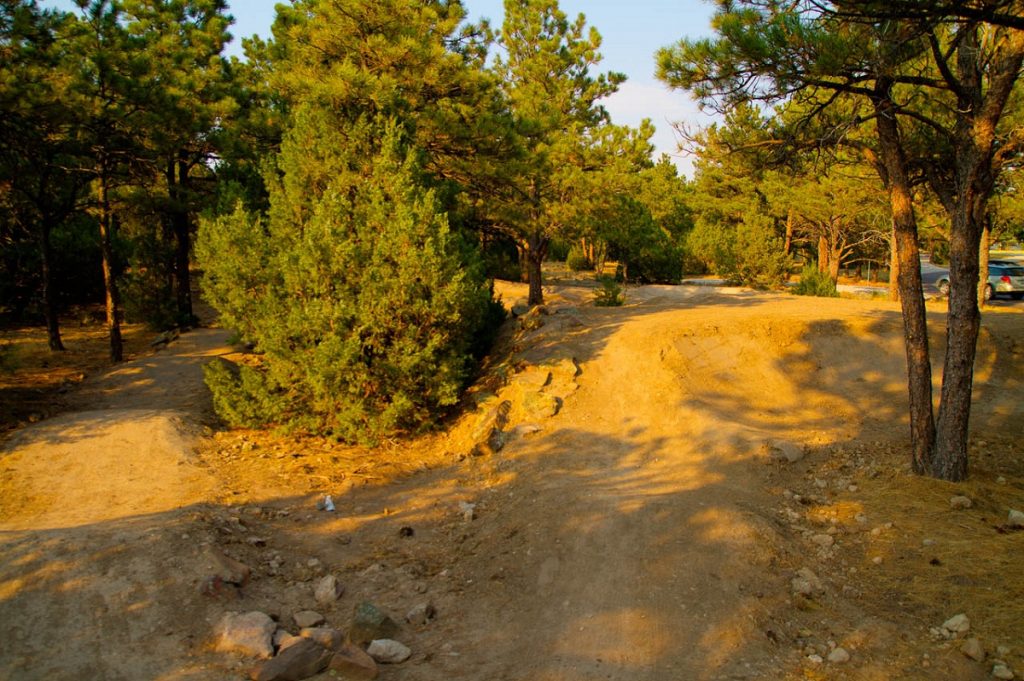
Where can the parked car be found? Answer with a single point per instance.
(1005, 277)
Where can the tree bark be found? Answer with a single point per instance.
(181, 225)
(823, 261)
(986, 243)
(790, 220)
(962, 325)
(109, 279)
(49, 302)
(908, 260)
(536, 248)
(894, 267)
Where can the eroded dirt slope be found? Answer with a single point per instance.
(638, 533)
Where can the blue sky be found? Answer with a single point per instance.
(632, 31)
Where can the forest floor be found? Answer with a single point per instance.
(701, 484)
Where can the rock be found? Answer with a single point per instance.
(326, 636)
(328, 590)
(421, 614)
(839, 656)
(532, 380)
(960, 502)
(353, 663)
(467, 510)
(1000, 480)
(295, 663)
(369, 624)
(249, 633)
(825, 541)
(815, 659)
(540, 405)
(784, 452)
(520, 307)
(806, 583)
(1015, 519)
(523, 430)
(486, 435)
(215, 587)
(230, 570)
(305, 619)
(1001, 671)
(282, 639)
(387, 651)
(973, 649)
(957, 624)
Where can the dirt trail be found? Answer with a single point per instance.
(636, 536)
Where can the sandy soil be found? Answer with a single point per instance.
(641, 533)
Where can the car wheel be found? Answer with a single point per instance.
(943, 286)
(989, 293)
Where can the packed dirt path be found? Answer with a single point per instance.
(639, 531)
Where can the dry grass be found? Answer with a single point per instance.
(936, 561)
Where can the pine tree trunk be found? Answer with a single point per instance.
(834, 260)
(182, 242)
(908, 262)
(536, 249)
(962, 326)
(894, 267)
(49, 302)
(823, 262)
(789, 231)
(109, 280)
(986, 243)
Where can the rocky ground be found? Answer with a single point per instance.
(702, 484)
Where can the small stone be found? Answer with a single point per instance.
(839, 656)
(806, 583)
(860, 518)
(295, 663)
(973, 649)
(248, 633)
(960, 502)
(1015, 519)
(351, 662)
(785, 452)
(1000, 480)
(815, 659)
(825, 541)
(467, 510)
(1003, 651)
(877, 560)
(957, 624)
(326, 636)
(230, 570)
(387, 651)
(928, 542)
(421, 614)
(1001, 671)
(306, 619)
(370, 624)
(328, 590)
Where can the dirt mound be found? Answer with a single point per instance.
(626, 520)
(94, 466)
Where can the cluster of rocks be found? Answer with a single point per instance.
(316, 647)
(957, 628)
(531, 392)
